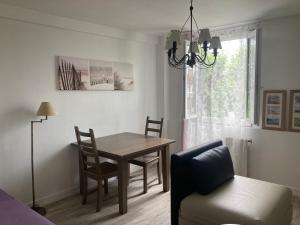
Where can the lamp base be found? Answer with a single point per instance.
(39, 210)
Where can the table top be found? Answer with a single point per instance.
(127, 145)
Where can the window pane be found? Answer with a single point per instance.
(219, 92)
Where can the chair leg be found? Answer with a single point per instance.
(106, 186)
(85, 187)
(159, 171)
(99, 197)
(145, 179)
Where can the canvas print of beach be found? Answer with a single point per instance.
(123, 76)
(73, 73)
(89, 74)
(101, 75)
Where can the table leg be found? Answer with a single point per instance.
(166, 168)
(122, 185)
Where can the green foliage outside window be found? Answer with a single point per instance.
(226, 90)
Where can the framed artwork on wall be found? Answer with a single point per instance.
(90, 74)
(294, 108)
(274, 108)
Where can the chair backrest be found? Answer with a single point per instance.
(87, 149)
(158, 123)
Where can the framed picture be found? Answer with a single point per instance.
(90, 74)
(274, 108)
(294, 116)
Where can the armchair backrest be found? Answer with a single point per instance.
(182, 183)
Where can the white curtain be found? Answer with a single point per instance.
(217, 98)
(239, 153)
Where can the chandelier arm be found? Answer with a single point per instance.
(176, 60)
(180, 61)
(208, 61)
(175, 65)
(186, 56)
(201, 59)
(207, 64)
(205, 56)
(215, 59)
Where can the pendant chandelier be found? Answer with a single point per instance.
(203, 49)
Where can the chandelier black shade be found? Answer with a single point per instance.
(203, 50)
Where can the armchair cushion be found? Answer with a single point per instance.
(211, 169)
(241, 200)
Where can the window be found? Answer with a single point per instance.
(221, 101)
(228, 90)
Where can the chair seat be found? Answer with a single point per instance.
(144, 160)
(107, 170)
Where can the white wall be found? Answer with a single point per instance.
(29, 42)
(275, 155)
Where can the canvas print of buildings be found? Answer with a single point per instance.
(88, 74)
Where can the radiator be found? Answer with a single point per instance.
(239, 149)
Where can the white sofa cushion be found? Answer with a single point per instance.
(243, 201)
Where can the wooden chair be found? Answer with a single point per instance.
(150, 159)
(91, 166)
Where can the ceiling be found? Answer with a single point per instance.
(156, 16)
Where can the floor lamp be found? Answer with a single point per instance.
(45, 109)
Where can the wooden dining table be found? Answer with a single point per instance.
(123, 147)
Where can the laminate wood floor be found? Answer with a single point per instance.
(152, 208)
(143, 209)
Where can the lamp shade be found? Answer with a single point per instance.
(215, 43)
(194, 47)
(204, 36)
(46, 109)
(174, 36)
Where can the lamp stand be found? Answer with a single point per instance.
(35, 207)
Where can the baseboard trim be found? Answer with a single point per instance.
(54, 197)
